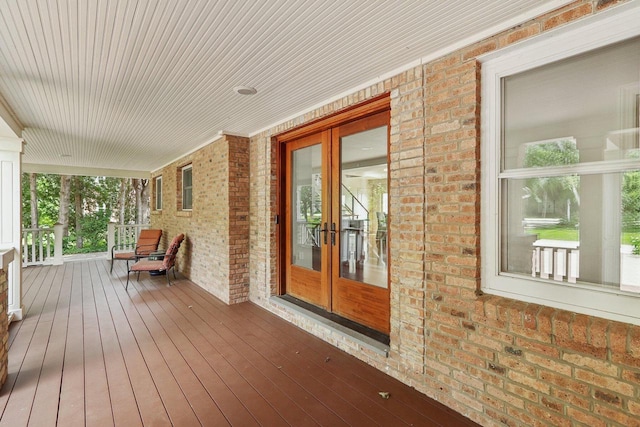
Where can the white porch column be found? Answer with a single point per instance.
(11, 218)
(57, 248)
(111, 237)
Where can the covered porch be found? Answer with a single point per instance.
(89, 353)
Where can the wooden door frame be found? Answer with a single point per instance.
(371, 107)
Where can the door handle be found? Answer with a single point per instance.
(333, 234)
(325, 230)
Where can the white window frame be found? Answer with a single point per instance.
(617, 24)
(158, 193)
(185, 168)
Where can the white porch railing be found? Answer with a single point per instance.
(123, 237)
(559, 259)
(42, 246)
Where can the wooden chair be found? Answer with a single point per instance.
(148, 242)
(168, 262)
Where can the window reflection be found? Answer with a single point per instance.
(364, 209)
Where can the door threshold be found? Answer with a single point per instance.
(365, 336)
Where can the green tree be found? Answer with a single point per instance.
(552, 192)
(92, 203)
(48, 196)
(631, 200)
(95, 201)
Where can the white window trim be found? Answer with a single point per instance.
(185, 168)
(605, 28)
(159, 179)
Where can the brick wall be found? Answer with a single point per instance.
(496, 360)
(262, 239)
(215, 251)
(4, 327)
(238, 218)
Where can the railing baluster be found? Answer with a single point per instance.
(574, 266)
(33, 248)
(560, 267)
(48, 241)
(126, 236)
(25, 247)
(44, 245)
(40, 248)
(560, 259)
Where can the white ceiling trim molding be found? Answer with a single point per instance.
(478, 37)
(11, 144)
(10, 125)
(82, 171)
(199, 147)
(211, 141)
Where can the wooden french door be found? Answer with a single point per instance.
(336, 204)
(359, 261)
(307, 198)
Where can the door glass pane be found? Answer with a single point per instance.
(363, 200)
(307, 207)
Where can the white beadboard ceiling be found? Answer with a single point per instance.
(127, 86)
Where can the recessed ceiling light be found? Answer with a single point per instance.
(245, 90)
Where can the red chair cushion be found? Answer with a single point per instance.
(146, 265)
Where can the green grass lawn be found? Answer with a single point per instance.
(556, 233)
(565, 233)
(627, 236)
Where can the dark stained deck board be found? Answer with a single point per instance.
(233, 368)
(449, 416)
(269, 386)
(123, 403)
(412, 406)
(30, 285)
(369, 381)
(412, 403)
(204, 408)
(326, 397)
(21, 344)
(31, 348)
(90, 353)
(97, 398)
(296, 361)
(147, 397)
(175, 403)
(317, 369)
(48, 388)
(72, 391)
(220, 394)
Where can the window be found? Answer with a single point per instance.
(561, 168)
(159, 193)
(187, 188)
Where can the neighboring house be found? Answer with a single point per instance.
(432, 215)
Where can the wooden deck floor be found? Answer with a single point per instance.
(89, 353)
